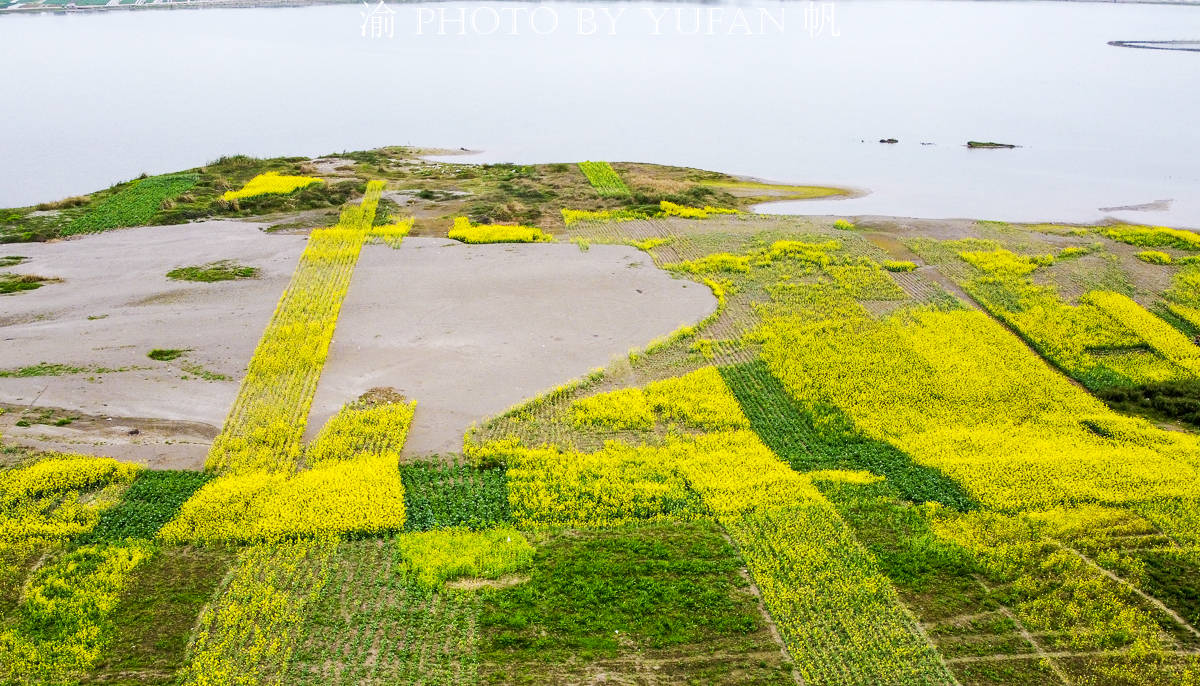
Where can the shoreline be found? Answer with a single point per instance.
(21, 7)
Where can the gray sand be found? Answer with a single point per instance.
(469, 331)
(120, 277)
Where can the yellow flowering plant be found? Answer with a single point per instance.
(270, 183)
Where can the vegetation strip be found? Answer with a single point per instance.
(267, 420)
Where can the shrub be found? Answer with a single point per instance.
(166, 354)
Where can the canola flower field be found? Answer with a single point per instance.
(882, 460)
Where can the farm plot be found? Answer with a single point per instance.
(266, 422)
(842, 474)
(1018, 568)
(1117, 325)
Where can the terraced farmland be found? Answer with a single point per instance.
(894, 453)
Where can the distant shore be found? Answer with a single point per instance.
(67, 6)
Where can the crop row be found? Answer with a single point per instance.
(438, 496)
(43, 504)
(267, 420)
(373, 625)
(665, 209)
(1153, 236)
(1154, 332)
(93, 530)
(390, 234)
(959, 393)
(65, 615)
(247, 634)
(1102, 347)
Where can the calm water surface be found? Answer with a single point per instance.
(95, 98)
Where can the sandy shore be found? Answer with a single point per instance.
(469, 331)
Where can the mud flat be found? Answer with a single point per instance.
(468, 331)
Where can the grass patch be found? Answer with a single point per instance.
(223, 270)
(201, 373)
(166, 354)
(671, 592)
(42, 369)
(17, 283)
(12, 260)
(438, 496)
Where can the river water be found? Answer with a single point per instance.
(796, 92)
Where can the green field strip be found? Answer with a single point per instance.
(371, 624)
(790, 431)
(604, 179)
(154, 619)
